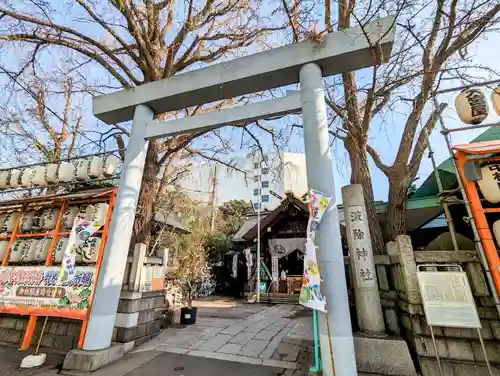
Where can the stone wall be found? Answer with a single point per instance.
(141, 315)
(459, 349)
(60, 334)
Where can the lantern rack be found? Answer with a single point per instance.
(460, 156)
(61, 202)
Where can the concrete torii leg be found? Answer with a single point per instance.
(320, 177)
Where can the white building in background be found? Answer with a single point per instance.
(273, 173)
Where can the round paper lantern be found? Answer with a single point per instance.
(42, 249)
(85, 211)
(49, 219)
(495, 99)
(3, 247)
(4, 179)
(489, 184)
(51, 173)
(26, 177)
(2, 222)
(59, 250)
(11, 220)
(97, 212)
(27, 221)
(110, 165)
(39, 174)
(30, 255)
(95, 167)
(69, 216)
(80, 169)
(14, 178)
(471, 106)
(87, 252)
(20, 249)
(65, 172)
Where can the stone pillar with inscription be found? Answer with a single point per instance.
(366, 291)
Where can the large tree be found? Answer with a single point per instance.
(125, 43)
(431, 46)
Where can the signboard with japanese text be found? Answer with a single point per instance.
(152, 278)
(448, 299)
(360, 246)
(34, 290)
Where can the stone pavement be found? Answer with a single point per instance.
(278, 336)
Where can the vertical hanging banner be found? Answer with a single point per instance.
(311, 294)
(318, 203)
(81, 231)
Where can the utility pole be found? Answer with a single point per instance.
(213, 199)
(259, 201)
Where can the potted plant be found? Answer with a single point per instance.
(194, 276)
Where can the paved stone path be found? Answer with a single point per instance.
(272, 337)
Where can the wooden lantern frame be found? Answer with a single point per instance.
(480, 152)
(102, 195)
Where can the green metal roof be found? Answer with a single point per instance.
(447, 171)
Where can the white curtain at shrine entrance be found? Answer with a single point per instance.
(279, 248)
(283, 247)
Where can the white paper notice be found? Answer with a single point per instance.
(448, 299)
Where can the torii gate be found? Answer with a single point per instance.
(306, 62)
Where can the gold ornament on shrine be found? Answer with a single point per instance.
(490, 183)
(471, 106)
(495, 99)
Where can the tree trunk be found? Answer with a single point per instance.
(147, 198)
(360, 174)
(396, 211)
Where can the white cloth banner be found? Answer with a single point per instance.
(282, 247)
(82, 230)
(311, 295)
(275, 267)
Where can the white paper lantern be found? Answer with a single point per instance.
(69, 216)
(80, 169)
(26, 177)
(27, 221)
(65, 172)
(11, 220)
(495, 99)
(110, 165)
(3, 247)
(49, 219)
(85, 211)
(14, 178)
(30, 256)
(490, 183)
(59, 250)
(95, 167)
(2, 222)
(39, 174)
(20, 250)
(97, 212)
(4, 179)
(42, 249)
(471, 106)
(88, 251)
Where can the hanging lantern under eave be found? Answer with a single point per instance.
(495, 99)
(490, 182)
(471, 106)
